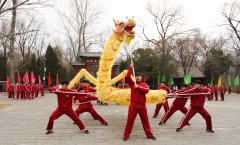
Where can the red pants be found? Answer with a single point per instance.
(83, 108)
(132, 113)
(216, 96)
(18, 94)
(191, 112)
(32, 94)
(222, 96)
(36, 94)
(172, 110)
(70, 113)
(22, 95)
(42, 92)
(159, 106)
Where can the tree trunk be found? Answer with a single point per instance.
(12, 41)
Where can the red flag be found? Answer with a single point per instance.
(33, 79)
(49, 79)
(57, 80)
(8, 83)
(25, 78)
(39, 81)
(145, 77)
(19, 78)
(123, 80)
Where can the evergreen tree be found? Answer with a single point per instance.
(216, 64)
(52, 62)
(33, 64)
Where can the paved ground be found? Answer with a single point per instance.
(24, 123)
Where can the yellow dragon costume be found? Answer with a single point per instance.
(123, 33)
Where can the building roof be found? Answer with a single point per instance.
(194, 71)
(77, 64)
(90, 54)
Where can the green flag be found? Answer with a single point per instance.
(236, 81)
(229, 81)
(170, 81)
(159, 79)
(187, 79)
(163, 78)
(212, 82)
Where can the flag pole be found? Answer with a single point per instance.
(131, 57)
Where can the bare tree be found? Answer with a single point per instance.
(27, 42)
(231, 14)
(6, 5)
(167, 21)
(187, 50)
(12, 42)
(79, 26)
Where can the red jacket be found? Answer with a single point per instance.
(18, 88)
(180, 101)
(215, 89)
(89, 89)
(222, 89)
(164, 88)
(197, 100)
(138, 98)
(64, 100)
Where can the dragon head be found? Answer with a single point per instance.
(126, 27)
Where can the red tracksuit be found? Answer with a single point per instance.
(86, 106)
(137, 106)
(178, 104)
(36, 91)
(165, 105)
(32, 94)
(215, 90)
(12, 91)
(197, 106)
(22, 91)
(222, 90)
(64, 107)
(42, 90)
(210, 98)
(18, 91)
(29, 91)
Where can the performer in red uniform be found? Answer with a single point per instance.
(165, 105)
(215, 90)
(36, 90)
(32, 94)
(22, 91)
(12, 91)
(85, 105)
(210, 98)
(42, 90)
(29, 89)
(178, 104)
(197, 106)
(18, 90)
(137, 105)
(64, 107)
(222, 92)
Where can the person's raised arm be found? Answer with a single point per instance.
(129, 74)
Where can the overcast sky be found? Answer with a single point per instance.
(203, 14)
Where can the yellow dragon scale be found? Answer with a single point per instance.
(104, 82)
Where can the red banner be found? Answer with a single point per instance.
(33, 79)
(25, 78)
(49, 79)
